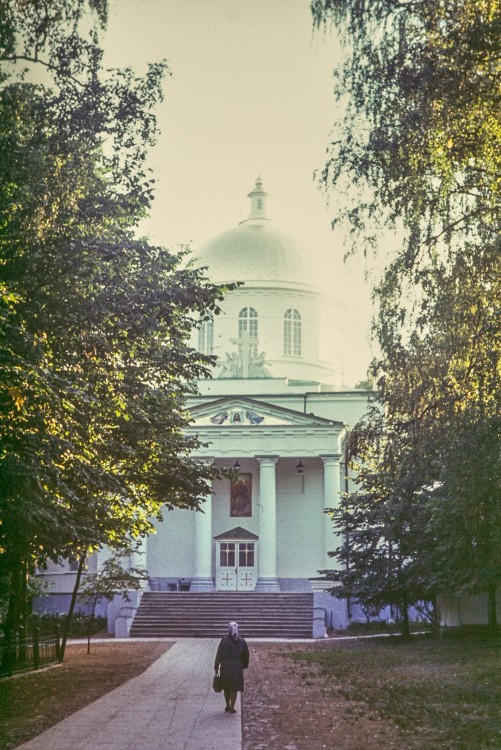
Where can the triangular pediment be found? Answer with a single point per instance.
(237, 533)
(247, 412)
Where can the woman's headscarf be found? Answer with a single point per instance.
(233, 630)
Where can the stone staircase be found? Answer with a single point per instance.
(205, 615)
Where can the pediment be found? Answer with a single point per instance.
(247, 412)
(237, 533)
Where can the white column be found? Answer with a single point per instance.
(128, 607)
(137, 558)
(267, 553)
(332, 498)
(202, 580)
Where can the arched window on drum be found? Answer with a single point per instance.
(292, 332)
(247, 326)
(206, 337)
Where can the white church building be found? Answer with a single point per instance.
(272, 412)
(275, 411)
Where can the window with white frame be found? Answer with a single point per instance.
(206, 337)
(247, 324)
(292, 332)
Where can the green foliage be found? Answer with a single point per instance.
(467, 554)
(417, 153)
(80, 625)
(421, 81)
(111, 579)
(383, 522)
(95, 363)
(363, 385)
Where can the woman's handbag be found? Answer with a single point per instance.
(216, 684)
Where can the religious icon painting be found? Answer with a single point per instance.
(241, 496)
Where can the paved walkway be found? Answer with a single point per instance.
(171, 706)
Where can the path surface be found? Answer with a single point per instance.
(171, 706)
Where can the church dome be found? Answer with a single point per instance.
(271, 326)
(256, 250)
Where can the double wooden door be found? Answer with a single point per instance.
(236, 567)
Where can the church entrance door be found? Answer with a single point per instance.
(236, 568)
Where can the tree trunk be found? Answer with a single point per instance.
(406, 631)
(491, 608)
(91, 620)
(437, 628)
(15, 617)
(73, 601)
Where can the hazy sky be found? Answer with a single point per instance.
(250, 92)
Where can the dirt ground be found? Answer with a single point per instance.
(289, 706)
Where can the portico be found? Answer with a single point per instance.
(244, 534)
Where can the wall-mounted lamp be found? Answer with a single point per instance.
(300, 467)
(237, 466)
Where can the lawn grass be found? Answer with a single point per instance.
(440, 693)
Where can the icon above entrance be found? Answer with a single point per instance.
(236, 560)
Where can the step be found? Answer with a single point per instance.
(185, 614)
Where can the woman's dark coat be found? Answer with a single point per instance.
(231, 659)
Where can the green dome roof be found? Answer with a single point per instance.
(256, 250)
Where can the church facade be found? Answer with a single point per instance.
(273, 411)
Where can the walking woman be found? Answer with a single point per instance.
(231, 659)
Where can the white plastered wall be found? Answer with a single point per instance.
(300, 550)
(465, 610)
(171, 550)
